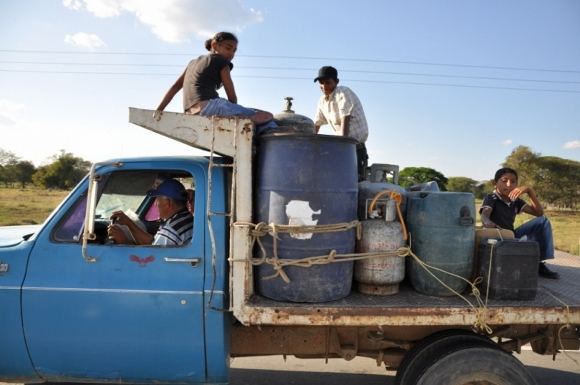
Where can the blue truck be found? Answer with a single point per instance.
(75, 307)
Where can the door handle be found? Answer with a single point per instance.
(192, 261)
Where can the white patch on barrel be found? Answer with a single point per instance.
(299, 213)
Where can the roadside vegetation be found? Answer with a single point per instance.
(27, 206)
(33, 205)
(28, 194)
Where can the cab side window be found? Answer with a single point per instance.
(70, 229)
(129, 192)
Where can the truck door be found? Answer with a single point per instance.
(14, 249)
(133, 315)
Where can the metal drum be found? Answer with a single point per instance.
(305, 179)
(442, 233)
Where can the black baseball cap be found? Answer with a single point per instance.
(327, 72)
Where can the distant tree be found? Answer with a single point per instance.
(485, 188)
(7, 157)
(410, 176)
(23, 171)
(3, 176)
(558, 181)
(63, 173)
(7, 171)
(461, 184)
(524, 161)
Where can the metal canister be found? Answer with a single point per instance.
(290, 122)
(380, 275)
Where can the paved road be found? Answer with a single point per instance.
(363, 371)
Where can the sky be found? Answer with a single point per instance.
(454, 85)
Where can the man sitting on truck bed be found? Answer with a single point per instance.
(177, 229)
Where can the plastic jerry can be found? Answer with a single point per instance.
(514, 268)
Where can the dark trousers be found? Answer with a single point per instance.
(362, 161)
(539, 229)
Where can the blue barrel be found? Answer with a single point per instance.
(305, 179)
(442, 229)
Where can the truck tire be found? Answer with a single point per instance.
(476, 365)
(432, 346)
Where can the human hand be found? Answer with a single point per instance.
(157, 115)
(121, 218)
(516, 192)
(486, 222)
(116, 235)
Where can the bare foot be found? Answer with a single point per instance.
(261, 117)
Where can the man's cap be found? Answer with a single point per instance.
(170, 188)
(327, 72)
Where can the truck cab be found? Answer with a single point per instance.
(135, 313)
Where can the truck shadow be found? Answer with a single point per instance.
(545, 376)
(278, 377)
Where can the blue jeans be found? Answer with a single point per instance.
(223, 107)
(539, 229)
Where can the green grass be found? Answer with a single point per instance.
(566, 229)
(32, 206)
(27, 206)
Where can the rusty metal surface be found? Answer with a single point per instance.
(323, 342)
(557, 302)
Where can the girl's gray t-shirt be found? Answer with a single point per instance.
(202, 79)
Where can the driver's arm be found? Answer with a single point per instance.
(142, 237)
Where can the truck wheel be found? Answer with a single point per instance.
(433, 346)
(476, 365)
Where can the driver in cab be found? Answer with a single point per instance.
(176, 229)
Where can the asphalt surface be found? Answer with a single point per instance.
(363, 371)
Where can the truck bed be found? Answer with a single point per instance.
(557, 302)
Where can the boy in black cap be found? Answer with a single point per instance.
(342, 110)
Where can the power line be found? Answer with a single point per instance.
(365, 60)
(302, 69)
(89, 72)
(306, 78)
(429, 75)
(88, 64)
(430, 84)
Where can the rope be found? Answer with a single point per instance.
(566, 326)
(481, 312)
(261, 229)
(278, 264)
(398, 199)
(481, 308)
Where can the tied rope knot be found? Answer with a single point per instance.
(262, 229)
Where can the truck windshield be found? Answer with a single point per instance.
(125, 190)
(110, 203)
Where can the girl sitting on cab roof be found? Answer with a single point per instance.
(204, 76)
